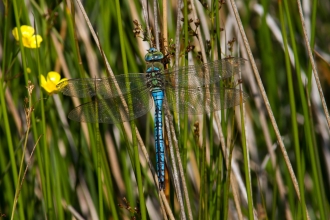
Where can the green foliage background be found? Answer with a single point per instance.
(88, 171)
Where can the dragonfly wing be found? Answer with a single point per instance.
(113, 111)
(103, 87)
(196, 76)
(199, 100)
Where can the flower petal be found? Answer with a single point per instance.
(42, 80)
(15, 33)
(34, 41)
(53, 77)
(50, 88)
(48, 85)
(27, 31)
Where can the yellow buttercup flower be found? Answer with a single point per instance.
(49, 84)
(29, 40)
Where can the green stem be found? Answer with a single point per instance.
(293, 113)
(314, 159)
(4, 112)
(99, 168)
(246, 166)
(19, 185)
(135, 146)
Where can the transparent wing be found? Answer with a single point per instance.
(113, 111)
(205, 74)
(103, 87)
(199, 100)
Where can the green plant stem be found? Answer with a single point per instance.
(228, 175)
(26, 81)
(135, 146)
(312, 41)
(44, 145)
(293, 114)
(108, 182)
(4, 112)
(99, 169)
(22, 160)
(307, 123)
(203, 194)
(59, 169)
(184, 139)
(246, 165)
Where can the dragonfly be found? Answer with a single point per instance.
(192, 90)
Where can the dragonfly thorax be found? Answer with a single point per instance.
(154, 67)
(155, 80)
(154, 70)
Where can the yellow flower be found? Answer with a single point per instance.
(29, 40)
(49, 84)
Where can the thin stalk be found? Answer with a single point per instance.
(49, 206)
(44, 145)
(177, 35)
(177, 56)
(58, 168)
(264, 96)
(156, 24)
(246, 164)
(99, 166)
(109, 185)
(307, 123)
(227, 186)
(218, 36)
(219, 187)
(28, 112)
(204, 184)
(184, 125)
(220, 159)
(76, 47)
(184, 139)
(274, 203)
(4, 112)
(134, 137)
(312, 40)
(94, 140)
(228, 175)
(293, 112)
(171, 135)
(204, 169)
(267, 58)
(202, 199)
(315, 73)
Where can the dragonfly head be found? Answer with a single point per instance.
(153, 55)
(152, 50)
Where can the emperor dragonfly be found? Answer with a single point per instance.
(121, 98)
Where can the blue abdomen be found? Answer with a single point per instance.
(158, 96)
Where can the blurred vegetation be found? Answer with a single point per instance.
(59, 169)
